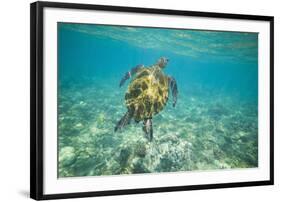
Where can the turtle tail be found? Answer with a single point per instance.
(148, 129)
(125, 120)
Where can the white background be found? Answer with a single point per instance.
(52, 185)
(14, 101)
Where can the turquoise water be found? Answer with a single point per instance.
(213, 126)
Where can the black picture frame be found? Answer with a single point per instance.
(36, 98)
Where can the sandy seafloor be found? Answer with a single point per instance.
(200, 133)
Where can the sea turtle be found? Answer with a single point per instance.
(147, 94)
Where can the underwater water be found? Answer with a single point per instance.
(214, 124)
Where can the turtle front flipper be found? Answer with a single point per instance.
(125, 120)
(148, 129)
(129, 74)
(174, 88)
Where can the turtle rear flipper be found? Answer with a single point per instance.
(148, 129)
(125, 120)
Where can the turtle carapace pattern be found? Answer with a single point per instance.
(147, 94)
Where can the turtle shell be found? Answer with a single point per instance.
(147, 93)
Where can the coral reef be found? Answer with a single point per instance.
(199, 134)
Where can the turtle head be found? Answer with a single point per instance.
(162, 62)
